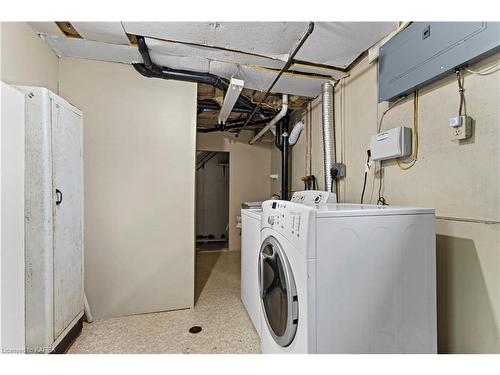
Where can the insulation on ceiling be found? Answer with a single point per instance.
(87, 49)
(49, 28)
(160, 47)
(340, 43)
(108, 32)
(331, 43)
(251, 51)
(257, 78)
(194, 63)
(271, 39)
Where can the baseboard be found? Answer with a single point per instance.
(69, 339)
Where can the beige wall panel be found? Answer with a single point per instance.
(139, 186)
(249, 171)
(468, 279)
(25, 58)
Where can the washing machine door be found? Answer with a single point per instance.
(278, 293)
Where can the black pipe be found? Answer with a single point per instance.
(151, 70)
(281, 142)
(285, 148)
(237, 124)
(214, 106)
(277, 138)
(209, 104)
(181, 75)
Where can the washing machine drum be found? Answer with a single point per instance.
(278, 293)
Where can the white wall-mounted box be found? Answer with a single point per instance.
(391, 144)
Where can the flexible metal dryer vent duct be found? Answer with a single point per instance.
(328, 135)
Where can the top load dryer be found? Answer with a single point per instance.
(347, 278)
(250, 245)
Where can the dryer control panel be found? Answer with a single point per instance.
(293, 221)
(314, 197)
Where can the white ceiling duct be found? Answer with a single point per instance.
(232, 94)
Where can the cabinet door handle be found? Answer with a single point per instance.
(58, 197)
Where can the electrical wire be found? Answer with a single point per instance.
(364, 187)
(367, 166)
(381, 200)
(387, 110)
(484, 71)
(462, 109)
(402, 165)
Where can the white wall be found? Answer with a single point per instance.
(12, 220)
(139, 145)
(249, 170)
(25, 58)
(459, 180)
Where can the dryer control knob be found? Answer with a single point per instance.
(270, 220)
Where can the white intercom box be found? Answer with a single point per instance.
(391, 144)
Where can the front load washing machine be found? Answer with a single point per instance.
(347, 278)
(283, 270)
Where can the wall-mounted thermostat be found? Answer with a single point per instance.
(391, 144)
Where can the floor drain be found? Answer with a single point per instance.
(195, 329)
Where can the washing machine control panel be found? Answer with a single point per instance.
(314, 197)
(290, 219)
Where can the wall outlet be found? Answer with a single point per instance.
(460, 127)
(340, 168)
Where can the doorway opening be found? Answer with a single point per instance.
(212, 200)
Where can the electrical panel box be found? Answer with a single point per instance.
(391, 144)
(426, 51)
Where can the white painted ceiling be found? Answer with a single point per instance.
(251, 51)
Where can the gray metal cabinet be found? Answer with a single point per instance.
(54, 218)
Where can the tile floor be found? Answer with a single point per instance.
(226, 327)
